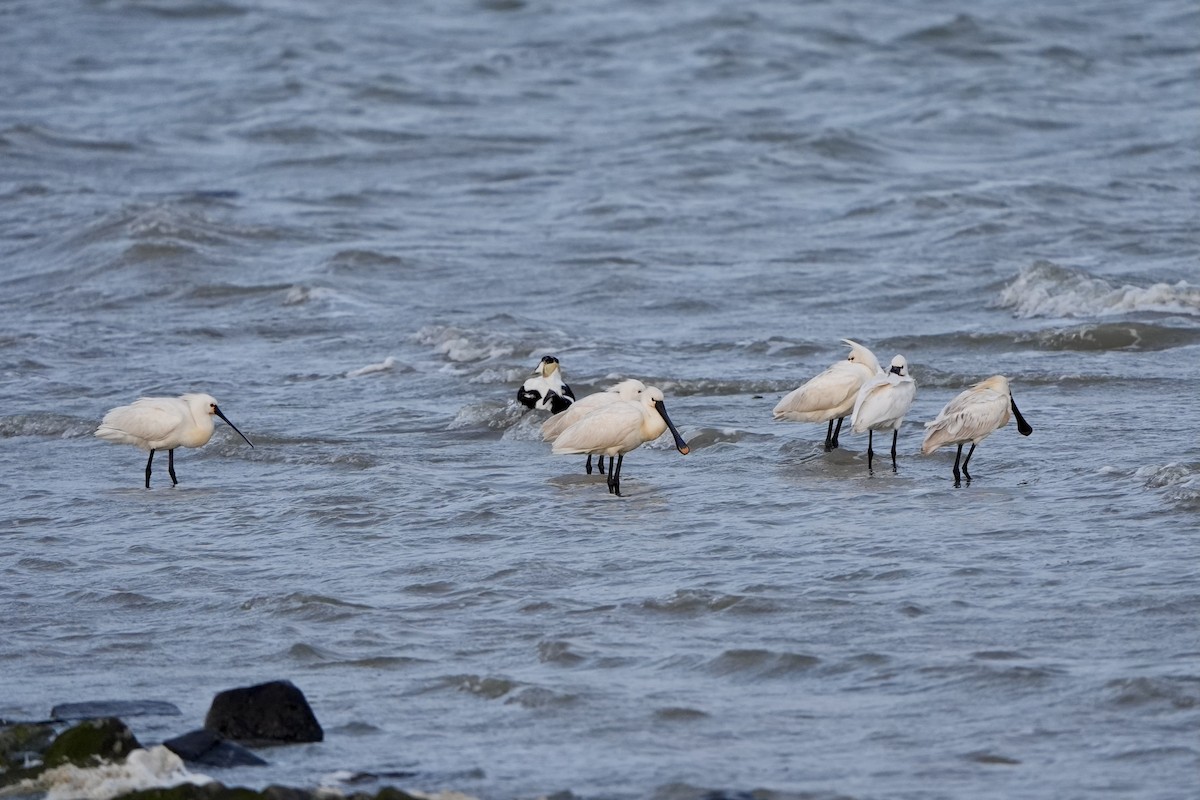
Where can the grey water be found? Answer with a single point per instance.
(359, 225)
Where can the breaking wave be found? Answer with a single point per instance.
(154, 768)
(1045, 289)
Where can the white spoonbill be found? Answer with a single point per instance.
(970, 417)
(616, 428)
(882, 403)
(830, 395)
(545, 389)
(625, 390)
(158, 423)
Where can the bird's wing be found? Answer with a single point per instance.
(605, 428)
(828, 395)
(871, 400)
(970, 416)
(149, 418)
(533, 392)
(558, 423)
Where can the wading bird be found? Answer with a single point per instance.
(544, 388)
(970, 417)
(616, 428)
(625, 390)
(164, 423)
(830, 395)
(882, 403)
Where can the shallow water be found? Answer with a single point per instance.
(264, 201)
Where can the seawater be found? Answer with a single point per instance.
(360, 225)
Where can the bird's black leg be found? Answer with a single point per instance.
(171, 466)
(870, 452)
(895, 435)
(614, 475)
(829, 445)
(588, 466)
(957, 474)
(602, 465)
(148, 460)
(837, 431)
(970, 453)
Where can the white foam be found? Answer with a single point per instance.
(461, 345)
(1044, 289)
(383, 366)
(1157, 476)
(154, 768)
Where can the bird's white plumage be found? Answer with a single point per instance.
(616, 428)
(971, 416)
(164, 423)
(625, 390)
(885, 399)
(160, 423)
(832, 393)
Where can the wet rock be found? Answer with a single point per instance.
(265, 714)
(286, 793)
(96, 709)
(23, 742)
(217, 791)
(90, 742)
(391, 793)
(190, 791)
(206, 748)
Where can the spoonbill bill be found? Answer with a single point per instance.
(971, 417)
(544, 389)
(625, 390)
(164, 423)
(830, 395)
(616, 428)
(882, 403)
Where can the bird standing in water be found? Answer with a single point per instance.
(164, 423)
(830, 395)
(625, 390)
(882, 403)
(971, 417)
(615, 429)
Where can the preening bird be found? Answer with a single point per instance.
(545, 389)
(625, 390)
(616, 428)
(164, 423)
(971, 417)
(830, 395)
(882, 404)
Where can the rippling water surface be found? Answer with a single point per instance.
(360, 225)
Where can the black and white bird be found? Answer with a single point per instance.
(545, 388)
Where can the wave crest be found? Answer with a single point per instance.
(1045, 289)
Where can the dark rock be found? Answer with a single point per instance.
(190, 791)
(205, 747)
(265, 714)
(95, 709)
(90, 742)
(217, 791)
(391, 793)
(20, 742)
(286, 793)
